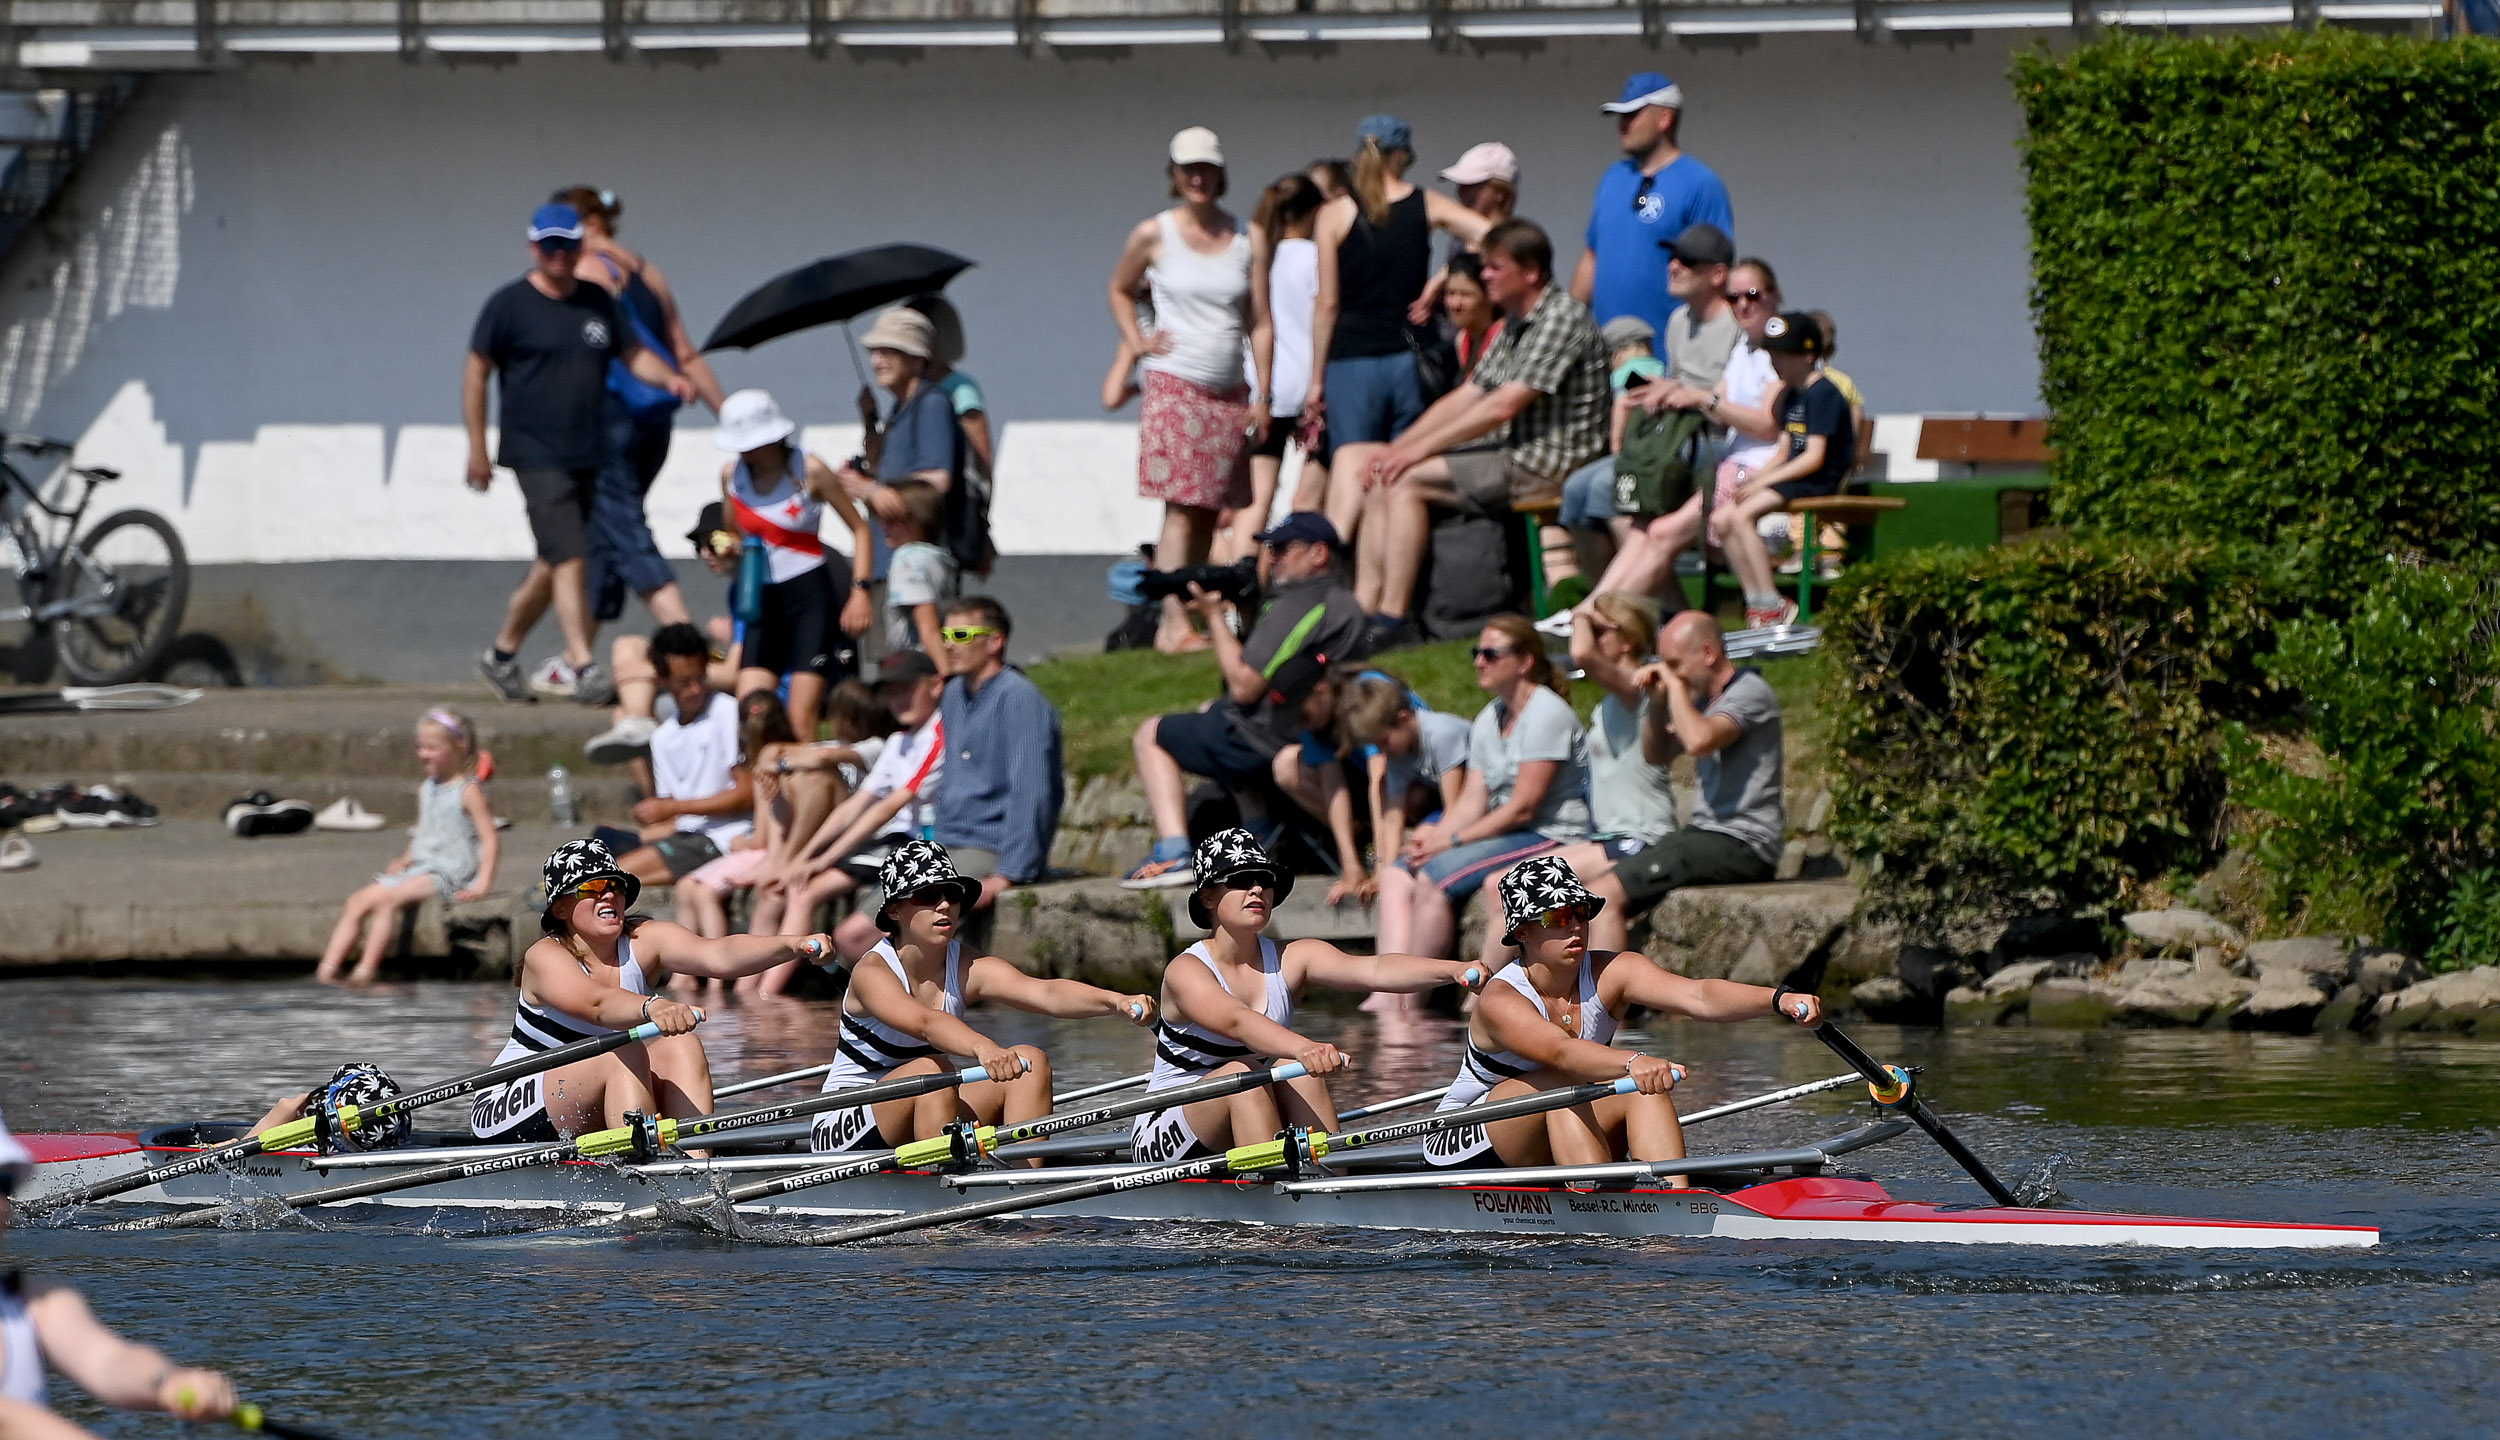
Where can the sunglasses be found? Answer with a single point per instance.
(1648, 183)
(1560, 918)
(965, 634)
(1487, 654)
(600, 885)
(554, 245)
(1739, 297)
(1250, 880)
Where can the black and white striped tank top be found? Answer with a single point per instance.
(1186, 1052)
(1480, 1070)
(870, 1049)
(538, 1028)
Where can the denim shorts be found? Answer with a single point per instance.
(622, 555)
(1371, 398)
(1461, 870)
(1588, 500)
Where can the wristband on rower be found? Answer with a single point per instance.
(646, 1007)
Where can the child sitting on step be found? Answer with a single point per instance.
(451, 851)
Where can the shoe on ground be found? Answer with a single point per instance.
(16, 855)
(82, 810)
(32, 813)
(1168, 866)
(553, 679)
(591, 686)
(260, 813)
(1390, 632)
(1784, 613)
(504, 677)
(621, 741)
(125, 807)
(345, 814)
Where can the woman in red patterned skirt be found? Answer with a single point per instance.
(1207, 273)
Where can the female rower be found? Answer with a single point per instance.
(1549, 1020)
(1228, 1003)
(41, 1322)
(598, 970)
(903, 1015)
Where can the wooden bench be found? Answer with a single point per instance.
(1847, 510)
(1977, 442)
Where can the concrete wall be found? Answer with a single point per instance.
(257, 298)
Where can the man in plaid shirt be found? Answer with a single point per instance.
(1536, 411)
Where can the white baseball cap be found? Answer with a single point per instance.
(1197, 145)
(17, 1163)
(751, 420)
(1491, 160)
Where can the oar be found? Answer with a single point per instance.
(1240, 1160)
(596, 1144)
(1403, 1102)
(300, 1132)
(1793, 1092)
(1108, 1087)
(986, 1139)
(248, 1416)
(1126, 1082)
(1886, 1080)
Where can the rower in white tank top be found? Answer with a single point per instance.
(784, 515)
(21, 1350)
(870, 1050)
(1479, 1071)
(516, 1112)
(1186, 1052)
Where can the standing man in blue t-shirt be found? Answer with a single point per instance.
(1643, 203)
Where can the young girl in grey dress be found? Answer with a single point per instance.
(451, 851)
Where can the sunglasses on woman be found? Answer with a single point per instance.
(1739, 297)
(1556, 919)
(1487, 654)
(602, 885)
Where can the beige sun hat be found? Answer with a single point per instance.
(904, 329)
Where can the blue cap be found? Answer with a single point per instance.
(1643, 90)
(1391, 132)
(556, 222)
(1307, 525)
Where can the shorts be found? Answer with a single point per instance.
(1461, 870)
(444, 885)
(514, 1113)
(846, 1132)
(734, 871)
(796, 634)
(1279, 435)
(1163, 1136)
(623, 557)
(1621, 847)
(1687, 857)
(1588, 496)
(559, 503)
(1489, 482)
(685, 852)
(1208, 743)
(1805, 489)
(1370, 398)
(1466, 1145)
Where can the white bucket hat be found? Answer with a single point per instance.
(17, 1163)
(750, 420)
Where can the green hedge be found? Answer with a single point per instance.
(2392, 826)
(2027, 728)
(2263, 287)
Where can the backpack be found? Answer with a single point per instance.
(968, 523)
(1665, 458)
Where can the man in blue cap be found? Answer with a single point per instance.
(548, 338)
(1311, 621)
(1644, 202)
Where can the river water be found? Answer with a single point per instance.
(388, 1325)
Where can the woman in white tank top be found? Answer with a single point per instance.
(1550, 1021)
(1228, 1005)
(904, 1012)
(42, 1322)
(599, 970)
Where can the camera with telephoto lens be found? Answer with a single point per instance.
(1238, 583)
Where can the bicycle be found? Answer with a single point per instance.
(112, 602)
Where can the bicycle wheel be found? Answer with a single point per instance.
(125, 585)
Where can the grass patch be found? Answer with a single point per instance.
(1102, 699)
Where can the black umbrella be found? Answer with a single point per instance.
(834, 289)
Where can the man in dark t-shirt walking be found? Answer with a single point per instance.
(547, 338)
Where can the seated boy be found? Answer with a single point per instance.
(1819, 447)
(922, 576)
(1416, 759)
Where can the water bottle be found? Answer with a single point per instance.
(754, 572)
(560, 797)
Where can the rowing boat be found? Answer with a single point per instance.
(1795, 1194)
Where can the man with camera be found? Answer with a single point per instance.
(1234, 741)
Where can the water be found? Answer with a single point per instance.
(451, 1326)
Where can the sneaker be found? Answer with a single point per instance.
(345, 814)
(553, 678)
(621, 741)
(259, 814)
(591, 686)
(32, 813)
(16, 854)
(1167, 867)
(127, 809)
(82, 810)
(504, 678)
(1557, 625)
(1390, 632)
(1783, 613)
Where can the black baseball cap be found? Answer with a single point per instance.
(712, 523)
(1701, 245)
(1308, 525)
(1795, 333)
(904, 667)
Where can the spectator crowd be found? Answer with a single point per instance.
(1656, 399)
